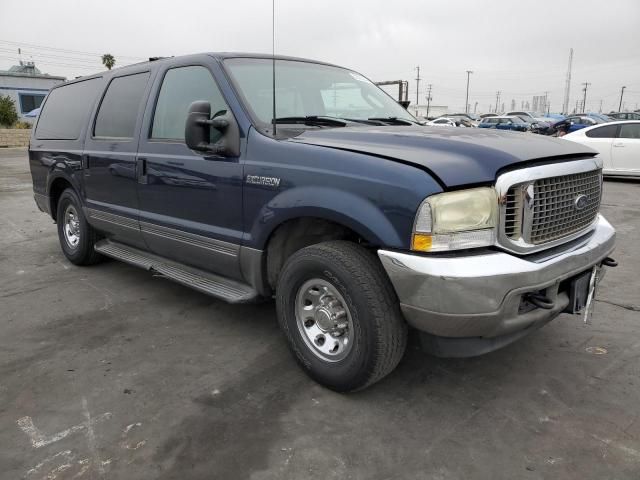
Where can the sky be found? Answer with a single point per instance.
(519, 48)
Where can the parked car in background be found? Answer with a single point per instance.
(442, 122)
(530, 117)
(505, 123)
(485, 115)
(600, 116)
(573, 123)
(618, 144)
(554, 117)
(463, 119)
(33, 113)
(624, 115)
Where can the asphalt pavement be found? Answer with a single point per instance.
(110, 372)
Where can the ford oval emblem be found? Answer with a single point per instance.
(581, 202)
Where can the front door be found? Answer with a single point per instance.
(626, 149)
(110, 159)
(190, 203)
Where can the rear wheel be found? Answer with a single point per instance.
(340, 315)
(77, 237)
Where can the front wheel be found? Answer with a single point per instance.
(340, 315)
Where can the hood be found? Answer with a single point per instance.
(457, 156)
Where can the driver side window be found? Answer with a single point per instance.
(180, 87)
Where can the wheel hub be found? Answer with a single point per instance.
(71, 227)
(324, 320)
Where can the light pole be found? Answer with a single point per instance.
(621, 94)
(466, 104)
(584, 99)
(417, 87)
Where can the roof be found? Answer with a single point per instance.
(216, 55)
(135, 67)
(28, 70)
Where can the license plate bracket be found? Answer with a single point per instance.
(579, 289)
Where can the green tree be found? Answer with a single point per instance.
(8, 114)
(108, 60)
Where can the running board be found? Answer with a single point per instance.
(223, 288)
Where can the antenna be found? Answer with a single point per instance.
(567, 87)
(273, 65)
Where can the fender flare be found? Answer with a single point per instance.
(339, 206)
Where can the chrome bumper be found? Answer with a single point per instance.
(480, 294)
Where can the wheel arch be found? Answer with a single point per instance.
(56, 186)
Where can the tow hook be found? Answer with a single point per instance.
(609, 262)
(540, 301)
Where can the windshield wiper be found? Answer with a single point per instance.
(392, 120)
(312, 120)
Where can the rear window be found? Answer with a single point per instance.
(66, 110)
(119, 108)
(608, 131)
(630, 130)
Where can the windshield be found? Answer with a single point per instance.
(305, 89)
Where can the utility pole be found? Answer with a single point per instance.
(600, 109)
(567, 87)
(584, 99)
(497, 100)
(428, 99)
(417, 87)
(466, 103)
(621, 94)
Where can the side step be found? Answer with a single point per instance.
(223, 288)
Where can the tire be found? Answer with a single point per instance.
(77, 237)
(353, 290)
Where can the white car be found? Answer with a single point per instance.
(442, 122)
(618, 144)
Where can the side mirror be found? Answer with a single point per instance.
(199, 125)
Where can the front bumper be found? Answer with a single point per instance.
(480, 294)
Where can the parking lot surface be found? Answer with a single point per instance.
(109, 372)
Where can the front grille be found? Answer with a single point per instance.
(513, 213)
(551, 214)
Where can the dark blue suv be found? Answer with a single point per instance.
(312, 186)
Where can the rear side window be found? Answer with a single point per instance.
(182, 86)
(66, 110)
(119, 108)
(608, 131)
(630, 130)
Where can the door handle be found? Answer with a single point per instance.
(141, 168)
(619, 144)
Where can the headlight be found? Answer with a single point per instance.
(456, 220)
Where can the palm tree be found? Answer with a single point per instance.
(108, 60)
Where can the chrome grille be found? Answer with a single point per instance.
(554, 207)
(513, 213)
(551, 214)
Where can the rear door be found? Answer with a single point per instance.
(190, 203)
(110, 158)
(601, 139)
(625, 153)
